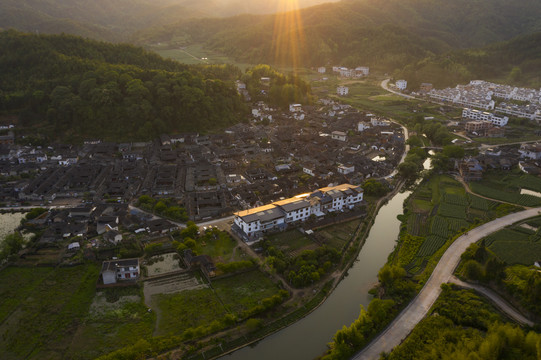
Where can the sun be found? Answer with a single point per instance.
(288, 36)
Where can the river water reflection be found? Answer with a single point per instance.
(307, 338)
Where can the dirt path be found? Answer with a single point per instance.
(496, 300)
(468, 190)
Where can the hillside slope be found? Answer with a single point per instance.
(384, 33)
(70, 89)
(117, 19)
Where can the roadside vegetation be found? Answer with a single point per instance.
(504, 261)
(462, 325)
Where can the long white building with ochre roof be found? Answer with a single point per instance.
(251, 223)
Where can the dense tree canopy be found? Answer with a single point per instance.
(74, 87)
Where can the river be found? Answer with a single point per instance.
(8, 223)
(307, 338)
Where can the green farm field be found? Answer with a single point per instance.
(195, 308)
(40, 315)
(195, 54)
(516, 245)
(290, 241)
(337, 236)
(440, 209)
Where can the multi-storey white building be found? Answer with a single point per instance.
(342, 90)
(473, 114)
(401, 84)
(276, 216)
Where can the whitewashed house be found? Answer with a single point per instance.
(295, 108)
(339, 135)
(114, 271)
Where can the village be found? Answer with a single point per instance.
(278, 198)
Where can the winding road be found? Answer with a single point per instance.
(404, 323)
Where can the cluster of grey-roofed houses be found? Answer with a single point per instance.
(247, 165)
(275, 156)
(259, 167)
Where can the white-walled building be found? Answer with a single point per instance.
(362, 126)
(401, 84)
(250, 224)
(118, 270)
(321, 69)
(342, 90)
(295, 108)
(346, 169)
(379, 122)
(474, 114)
(339, 135)
(530, 151)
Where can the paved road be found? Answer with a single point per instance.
(404, 323)
(496, 300)
(385, 85)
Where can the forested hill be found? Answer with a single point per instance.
(384, 33)
(115, 20)
(516, 62)
(69, 89)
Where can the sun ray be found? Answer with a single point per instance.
(288, 37)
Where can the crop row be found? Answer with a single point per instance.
(479, 203)
(515, 198)
(456, 225)
(454, 211)
(439, 227)
(456, 199)
(528, 182)
(431, 245)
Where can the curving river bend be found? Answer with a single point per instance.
(307, 338)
